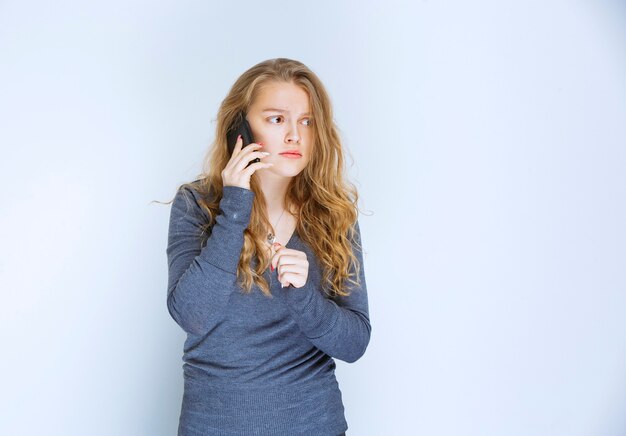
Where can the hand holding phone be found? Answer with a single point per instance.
(241, 166)
(240, 127)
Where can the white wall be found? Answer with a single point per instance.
(489, 143)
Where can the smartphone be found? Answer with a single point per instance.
(240, 127)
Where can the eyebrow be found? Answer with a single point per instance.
(273, 109)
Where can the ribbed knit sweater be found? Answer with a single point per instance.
(255, 365)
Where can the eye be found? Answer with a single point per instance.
(308, 121)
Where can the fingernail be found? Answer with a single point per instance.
(272, 266)
(282, 285)
(238, 137)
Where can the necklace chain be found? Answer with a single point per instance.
(271, 238)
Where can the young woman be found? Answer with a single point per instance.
(265, 264)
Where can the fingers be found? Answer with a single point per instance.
(285, 256)
(238, 144)
(243, 155)
(289, 269)
(234, 158)
(239, 168)
(293, 275)
(283, 261)
(292, 267)
(253, 167)
(249, 153)
(284, 280)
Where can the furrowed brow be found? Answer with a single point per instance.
(273, 109)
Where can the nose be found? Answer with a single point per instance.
(293, 135)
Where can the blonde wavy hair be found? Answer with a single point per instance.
(324, 204)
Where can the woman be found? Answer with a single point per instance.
(265, 265)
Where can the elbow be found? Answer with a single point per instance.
(351, 358)
(360, 350)
(185, 322)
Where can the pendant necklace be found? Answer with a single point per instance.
(271, 238)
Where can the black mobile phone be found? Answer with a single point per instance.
(240, 127)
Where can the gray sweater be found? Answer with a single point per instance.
(255, 365)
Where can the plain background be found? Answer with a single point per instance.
(488, 143)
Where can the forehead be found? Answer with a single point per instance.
(281, 95)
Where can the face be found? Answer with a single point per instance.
(279, 118)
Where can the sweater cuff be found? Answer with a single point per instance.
(224, 245)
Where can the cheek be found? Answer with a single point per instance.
(263, 130)
(308, 157)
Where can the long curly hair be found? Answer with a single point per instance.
(323, 202)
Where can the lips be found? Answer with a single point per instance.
(292, 153)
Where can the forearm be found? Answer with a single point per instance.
(340, 332)
(340, 327)
(201, 279)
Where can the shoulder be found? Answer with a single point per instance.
(197, 189)
(192, 188)
(188, 197)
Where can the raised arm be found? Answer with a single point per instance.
(339, 327)
(200, 279)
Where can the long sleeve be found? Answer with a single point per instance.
(339, 327)
(200, 279)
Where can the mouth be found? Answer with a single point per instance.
(291, 154)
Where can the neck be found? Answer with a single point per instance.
(274, 189)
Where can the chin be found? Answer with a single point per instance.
(286, 172)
